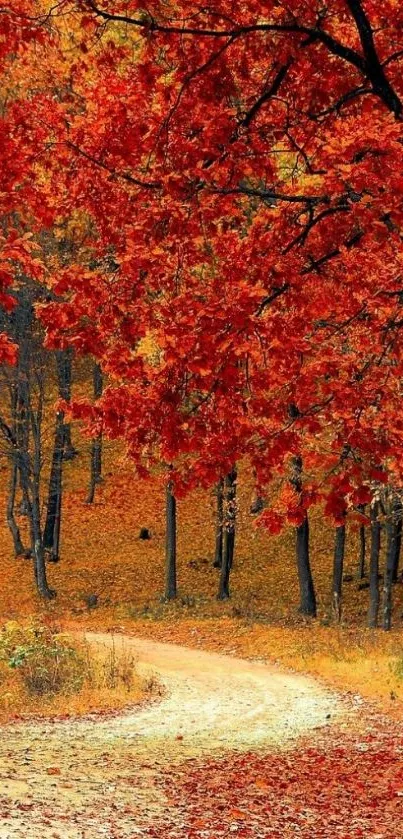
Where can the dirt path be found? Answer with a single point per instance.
(98, 778)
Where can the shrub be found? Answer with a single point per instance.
(44, 671)
(118, 669)
(46, 661)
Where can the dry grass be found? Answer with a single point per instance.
(46, 673)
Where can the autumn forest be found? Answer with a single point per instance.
(201, 427)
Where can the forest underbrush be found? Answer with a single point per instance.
(46, 672)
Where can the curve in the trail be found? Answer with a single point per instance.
(216, 701)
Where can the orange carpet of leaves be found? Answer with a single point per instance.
(350, 789)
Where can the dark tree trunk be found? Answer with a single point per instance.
(19, 549)
(35, 482)
(361, 570)
(62, 450)
(64, 366)
(229, 515)
(39, 553)
(29, 474)
(397, 538)
(338, 564)
(393, 546)
(306, 586)
(21, 409)
(170, 552)
(374, 567)
(219, 533)
(307, 591)
(388, 577)
(51, 534)
(96, 448)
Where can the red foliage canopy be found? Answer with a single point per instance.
(241, 170)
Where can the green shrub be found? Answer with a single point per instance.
(47, 661)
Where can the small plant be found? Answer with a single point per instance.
(152, 686)
(118, 669)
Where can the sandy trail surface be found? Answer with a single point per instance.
(82, 779)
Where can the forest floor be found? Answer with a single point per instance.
(233, 748)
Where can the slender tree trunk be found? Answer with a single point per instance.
(30, 489)
(55, 547)
(96, 448)
(388, 577)
(374, 567)
(19, 549)
(51, 534)
(21, 405)
(361, 570)
(338, 564)
(62, 450)
(39, 553)
(219, 534)
(306, 586)
(64, 366)
(35, 481)
(397, 541)
(170, 552)
(228, 534)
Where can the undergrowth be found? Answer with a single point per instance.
(46, 671)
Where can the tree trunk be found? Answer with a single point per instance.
(306, 587)
(374, 567)
(35, 484)
(219, 534)
(228, 534)
(170, 552)
(361, 570)
(388, 577)
(338, 564)
(397, 541)
(19, 549)
(51, 535)
(39, 553)
(62, 450)
(21, 399)
(96, 448)
(30, 488)
(64, 366)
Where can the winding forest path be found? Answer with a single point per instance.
(88, 778)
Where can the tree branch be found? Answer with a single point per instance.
(123, 175)
(372, 65)
(267, 94)
(148, 23)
